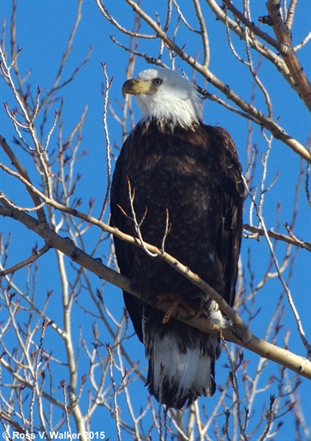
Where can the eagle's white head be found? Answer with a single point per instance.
(166, 96)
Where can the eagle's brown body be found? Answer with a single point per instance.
(195, 174)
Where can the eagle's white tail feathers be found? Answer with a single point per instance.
(178, 375)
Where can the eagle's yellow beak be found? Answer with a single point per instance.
(136, 86)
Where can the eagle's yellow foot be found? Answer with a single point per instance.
(176, 303)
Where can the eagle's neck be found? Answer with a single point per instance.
(170, 110)
(168, 125)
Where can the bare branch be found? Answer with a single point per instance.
(35, 255)
(283, 35)
(237, 333)
(290, 14)
(108, 84)
(109, 17)
(204, 34)
(256, 44)
(23, 172)
(293, 240)
(303, 42)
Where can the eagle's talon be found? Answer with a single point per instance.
(177, 303)
(170, 312)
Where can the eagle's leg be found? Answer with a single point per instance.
(177, 302)
(170, 312)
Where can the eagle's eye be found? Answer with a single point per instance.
(157, 82)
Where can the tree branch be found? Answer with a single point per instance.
(237, 333)
(283, 36)
(35, 255)
(23, 172)
(288, 239)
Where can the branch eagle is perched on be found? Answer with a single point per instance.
(177, 165)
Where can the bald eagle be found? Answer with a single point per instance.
(177, 168)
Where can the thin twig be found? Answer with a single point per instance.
(35, 255)
(116, 408)
(108, 84)
(293, 240)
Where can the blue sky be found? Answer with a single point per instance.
(42, 32)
